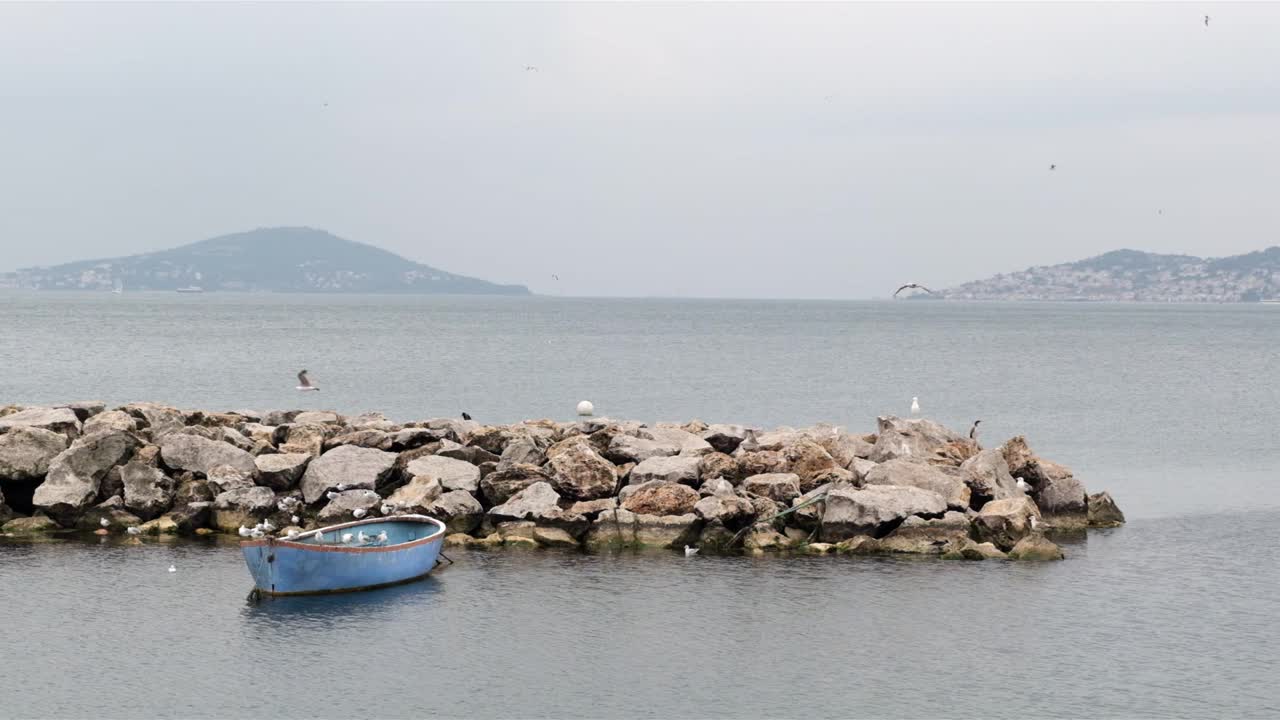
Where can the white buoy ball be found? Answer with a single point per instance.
(586, 408)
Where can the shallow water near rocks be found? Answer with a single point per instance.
(1173, 409)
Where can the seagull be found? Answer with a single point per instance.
(387, 508)
(1053, 167)
(1206, 21)
(912, 286)
(466, 416)
(530, 68)
(749, 443)
(133, 530)
(257, 534)
(346, 538)
(295, 519)
(915, 406)
(382, 536)
(267, 526)
(304, 384)
(359, 513)
(104, 522)
(331, 495)
(1035, 522)
(690, 551)
(1023, 486)
(172, 568)
(244, 531)
(342, 487)
(973, 431)
(291, 534)
(555, 277)
(362, 538)
(319, 536)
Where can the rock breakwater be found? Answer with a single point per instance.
(912, 486)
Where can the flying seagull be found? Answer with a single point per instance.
(1206, 21)
(530, 68)
(304, 384)
(1053, 167)
(912, 286)
(554, 276)
(973, 431)
(466, 416)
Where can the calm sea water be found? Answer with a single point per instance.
(1175, 409)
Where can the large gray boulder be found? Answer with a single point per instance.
(920, 536)
(353, 467)
(659, 498)
(674, 469)
(625, 449)
(718, 465)
(243, 506)
(623, 528)
(1103, 511)
(724, 438)
(59, 420)
(111, 420)
(579, 473)
(845, 448)
(807, 458)
(500, 485)
(343, 508)
(987, 475)
(539, 502)
(180, 451)
(316, 417)
(523, 451)
(281, 471)
(926, 477)
(730, 510)
(875, 510)
(1004, 522)
(458, 510)
(158, 420)
(74, 475)
(913, 438)
(25, 452)
(1062, 498)
(148, 492)
(453, 474)
(309, 438)
(687, 442)
(780, 487)
(113, 511)
(417, 495)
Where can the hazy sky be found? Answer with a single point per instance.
(763, 150)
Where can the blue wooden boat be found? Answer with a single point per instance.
(332, 559)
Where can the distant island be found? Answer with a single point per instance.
(282, 259)
(1137, 276)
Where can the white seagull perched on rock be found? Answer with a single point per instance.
(133, 530)
(304, 383)
(358, 513)
(915, 406)
(690, 551)
(331, 495)
(387, 508)
(267, 526)
(257, 534)
(295, 519)
(342, 487)
(1035, 521)
(1023, 486)
(104, 522)
(244, 531)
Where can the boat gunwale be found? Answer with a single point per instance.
(420, 519)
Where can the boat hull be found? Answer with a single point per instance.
(290, 567)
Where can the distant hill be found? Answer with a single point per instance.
(284, 259)
(1139, 276)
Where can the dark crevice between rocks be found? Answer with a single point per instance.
(886, 528)
(19, 493)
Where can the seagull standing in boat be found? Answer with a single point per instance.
(319, 536)
(346, 538)
(382, 536)
(304, 383)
